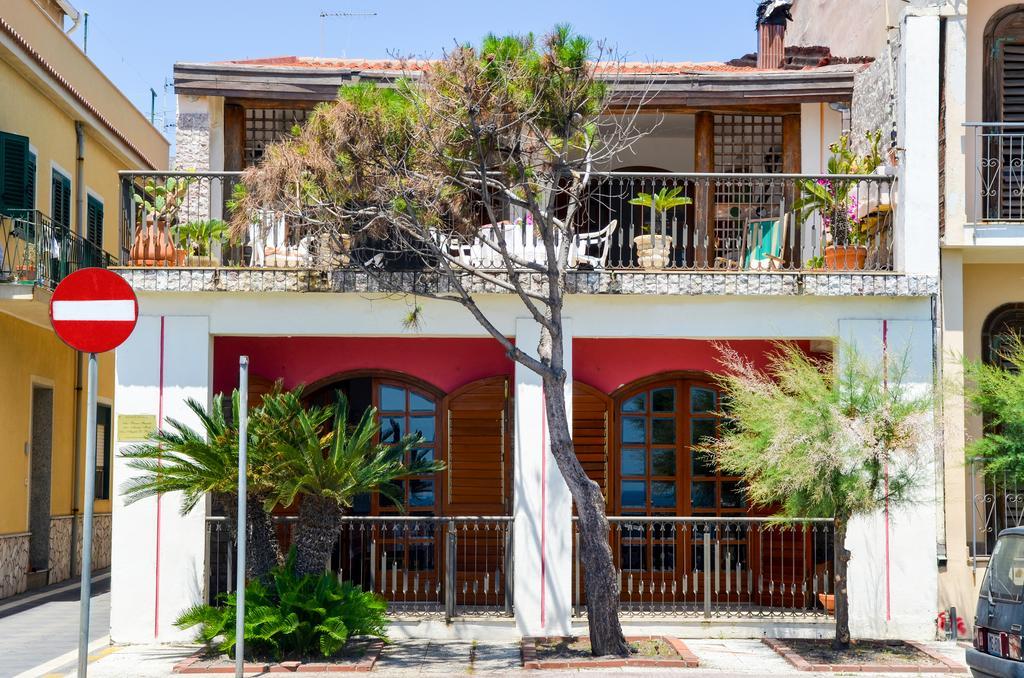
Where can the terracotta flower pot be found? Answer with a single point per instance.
(828, 601)
(653, 251)
(153, 246)
(845, 257)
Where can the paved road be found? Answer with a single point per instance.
(35, 630)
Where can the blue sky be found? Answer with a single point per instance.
(137, 43)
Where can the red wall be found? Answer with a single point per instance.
(445, 363)
(605, 364)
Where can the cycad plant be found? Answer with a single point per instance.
(329, 467)
(662, 201)
(205, 461)
(291, 616)
(817, 440)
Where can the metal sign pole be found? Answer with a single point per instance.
(90, 496)
(242, 522)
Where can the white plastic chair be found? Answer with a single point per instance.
(583, 241)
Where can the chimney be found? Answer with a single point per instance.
(772, 16)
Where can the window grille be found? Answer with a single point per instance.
(745, 144)
(264, 126)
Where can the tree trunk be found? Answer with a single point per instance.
(842, 639)
(602, 584)
(262, 551)
(317, 533)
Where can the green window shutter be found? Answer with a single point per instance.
(14, 155)
(94, 221)
(60, 201)
(30, 183)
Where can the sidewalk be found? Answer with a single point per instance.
(720, 658)
(39, 626)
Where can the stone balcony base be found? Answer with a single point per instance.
(686, 283)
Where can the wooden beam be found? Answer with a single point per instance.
(704, 200)
(234, 137)
(725, 109)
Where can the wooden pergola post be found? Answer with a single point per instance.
(705, 244)
(791, 164)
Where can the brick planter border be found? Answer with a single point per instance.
(686, 659)
(946, 665)
(364, 665)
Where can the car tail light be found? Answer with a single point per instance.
(979, 638)
(1013, 647)
(1004, 644)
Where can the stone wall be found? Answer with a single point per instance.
(192, 154)
(60, 543)
(13, 564)
(874, 107)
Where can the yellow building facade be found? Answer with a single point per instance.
(65, 132)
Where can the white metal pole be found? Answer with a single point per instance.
(90, 496)
(242, 522)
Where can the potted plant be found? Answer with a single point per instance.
(836, 201)
(158, 205)
(196, 239)
(654, 251)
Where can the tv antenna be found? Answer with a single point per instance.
(340, 15)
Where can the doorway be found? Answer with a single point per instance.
(40, 463)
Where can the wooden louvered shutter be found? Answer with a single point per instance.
(94, 222)
(60, 199)
(1011, 143)
(591, 412)
(477, 478)
(30, 183)
(14, 156)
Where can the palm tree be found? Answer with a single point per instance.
(329, 468)
(201, 462)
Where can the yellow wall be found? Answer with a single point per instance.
(32, 105)
(51, 134)
(34, 353)
(82, 74)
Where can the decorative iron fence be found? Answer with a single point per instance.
(997, 149)
(719, 222)
(422, 565)
(450, 567)
(997, 502)
(718, 567)
(34, 250)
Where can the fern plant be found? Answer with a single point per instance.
(291, 616)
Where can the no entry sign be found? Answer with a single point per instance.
(93, 310)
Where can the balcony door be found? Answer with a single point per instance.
(1002, 154)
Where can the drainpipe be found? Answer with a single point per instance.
(76, 493)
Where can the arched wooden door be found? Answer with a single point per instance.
(658, 470)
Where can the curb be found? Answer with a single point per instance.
(687, 659)
(364, 665)
(801, 664)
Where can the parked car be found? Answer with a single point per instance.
(999, 620)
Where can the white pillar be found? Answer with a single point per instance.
(158, 555)
(916, 247)
(542, 506)
(894, 585)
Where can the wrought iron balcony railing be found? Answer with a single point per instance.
(711, 222)
(997, 152)
(36, 250)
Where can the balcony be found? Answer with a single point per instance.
(35, 255)
(738, 227)
(996, 217)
